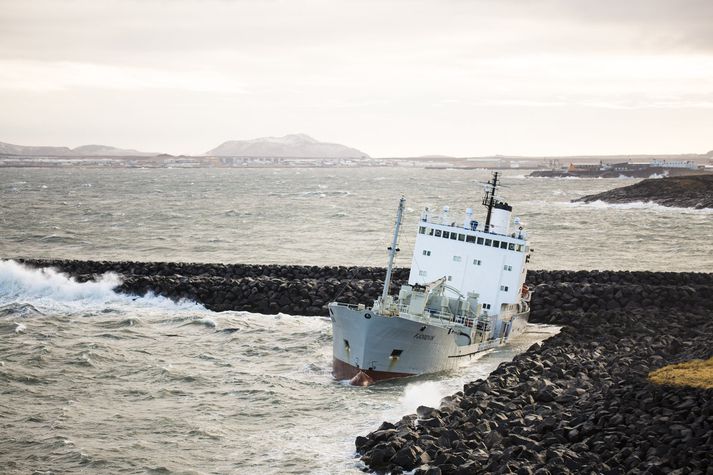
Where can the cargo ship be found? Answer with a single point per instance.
(466, 293)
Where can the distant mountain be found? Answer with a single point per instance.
(294, 145)
(10, 149)
(107, 151)
(83, 151)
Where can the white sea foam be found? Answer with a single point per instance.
(420, 393)
(427, 393)
(47, 288)
(638, 205)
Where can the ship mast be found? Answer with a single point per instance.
(393, 249)
(489, 199)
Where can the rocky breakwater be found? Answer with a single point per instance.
(681, 191)
(300, 290)
(581, 402)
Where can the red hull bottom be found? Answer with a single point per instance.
(362, 377)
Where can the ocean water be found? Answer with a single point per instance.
(310, 216)
(96, 382)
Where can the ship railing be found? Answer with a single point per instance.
(465, 321)
(351, 306)
(442, 317)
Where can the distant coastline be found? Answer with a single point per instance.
(303, 151)
(537, 165)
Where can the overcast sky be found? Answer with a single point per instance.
(390, 77)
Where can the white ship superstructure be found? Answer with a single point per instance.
(465, 294)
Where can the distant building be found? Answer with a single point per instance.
(689, 164)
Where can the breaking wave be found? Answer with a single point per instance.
(48, 288)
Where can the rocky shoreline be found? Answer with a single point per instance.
(695, 191)
(301, 290)
(579, 403)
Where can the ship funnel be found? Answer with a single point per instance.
(500, 220)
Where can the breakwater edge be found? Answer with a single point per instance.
(306, 290)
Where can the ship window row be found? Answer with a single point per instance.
(510, 246)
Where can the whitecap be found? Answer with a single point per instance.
(208, 322)
(50, 290)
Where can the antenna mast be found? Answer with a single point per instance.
(489, 199)
(393, 249)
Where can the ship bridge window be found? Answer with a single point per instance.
(511, 246)
(430, 231)
(508, 268)
(461, 237)
(503, 245)
(488, 242)
(422, 230)
(446, 234)
(456, 258)
(454, 236)
(496, 243)
(426, 253)
(477, 262)
(486, 306)
(518, 248)
(450, 278)
(504, 288)
(438, 233)
(470, 239)
(480, 240)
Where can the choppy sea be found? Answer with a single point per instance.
(96, 382)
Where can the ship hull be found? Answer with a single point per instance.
(368, 347)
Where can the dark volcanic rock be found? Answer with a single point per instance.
(694, 191)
